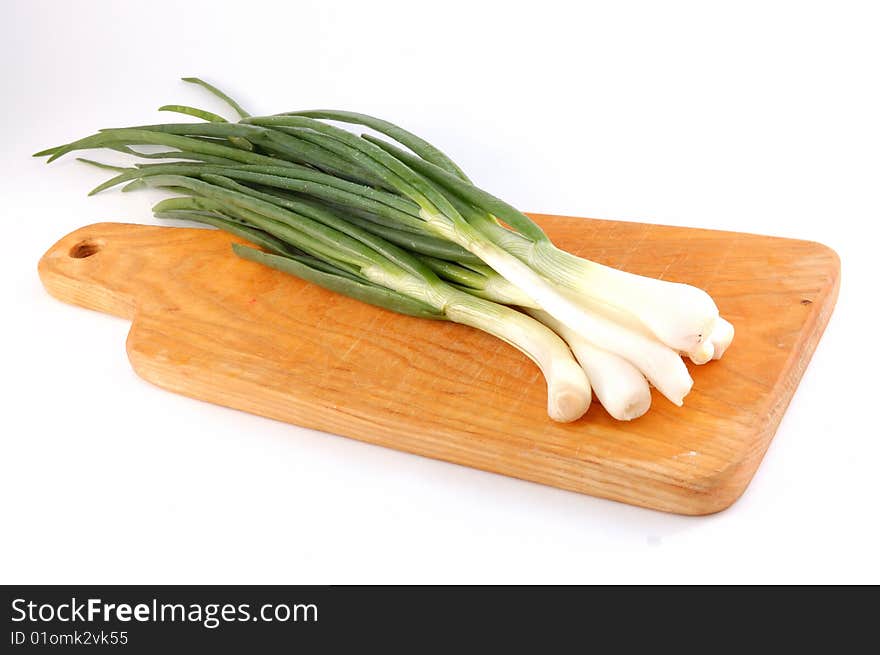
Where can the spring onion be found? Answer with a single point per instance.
(404, 228)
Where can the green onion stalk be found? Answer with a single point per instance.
(402, 227)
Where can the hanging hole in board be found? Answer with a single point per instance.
(85, 248)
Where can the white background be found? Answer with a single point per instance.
(759, 117)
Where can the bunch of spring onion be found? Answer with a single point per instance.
(399, 225)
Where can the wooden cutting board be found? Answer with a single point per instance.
(209, 325)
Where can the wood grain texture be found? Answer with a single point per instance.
(209, 325)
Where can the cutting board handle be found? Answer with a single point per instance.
(85, 267)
